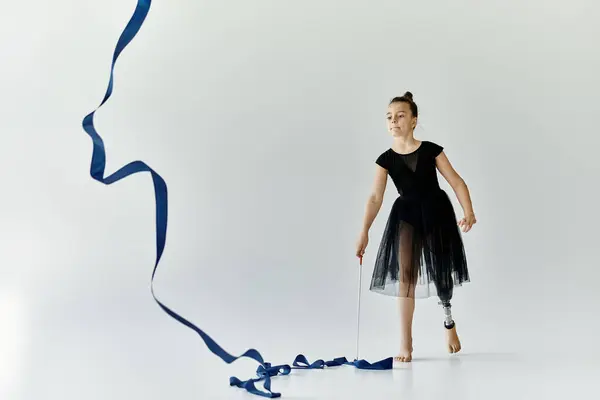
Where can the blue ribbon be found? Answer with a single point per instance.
(265, 370)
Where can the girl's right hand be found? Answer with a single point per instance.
(361, 244)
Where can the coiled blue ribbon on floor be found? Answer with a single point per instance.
(266, 370)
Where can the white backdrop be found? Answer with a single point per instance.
(265, 119)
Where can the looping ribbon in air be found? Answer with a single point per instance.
(265, 370)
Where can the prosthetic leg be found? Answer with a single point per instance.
(448, 321)
(445, 294)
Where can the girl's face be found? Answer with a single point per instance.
(400, 121)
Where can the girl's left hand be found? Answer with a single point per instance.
(467, 222)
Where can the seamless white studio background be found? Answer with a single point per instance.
(265, 119)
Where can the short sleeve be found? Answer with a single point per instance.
(382, 160)
(436, 149)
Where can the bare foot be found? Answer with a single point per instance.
(452, 340)
(405, 353)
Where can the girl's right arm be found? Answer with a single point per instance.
(372, 208)
(375, 198)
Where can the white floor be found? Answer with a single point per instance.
(120, 363)
(97, 345)
(468, 376)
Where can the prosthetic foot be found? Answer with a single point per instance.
(452, 340)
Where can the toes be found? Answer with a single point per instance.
(454, 348)
(403, 358)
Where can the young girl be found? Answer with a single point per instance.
(421, 252)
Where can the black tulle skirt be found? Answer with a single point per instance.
(421, 253)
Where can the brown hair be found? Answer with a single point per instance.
(407, 98)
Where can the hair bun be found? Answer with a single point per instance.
(409, 96)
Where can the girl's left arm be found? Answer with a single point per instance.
(460, 189)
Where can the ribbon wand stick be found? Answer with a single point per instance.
(358, 311)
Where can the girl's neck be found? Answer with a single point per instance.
(405, 144)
